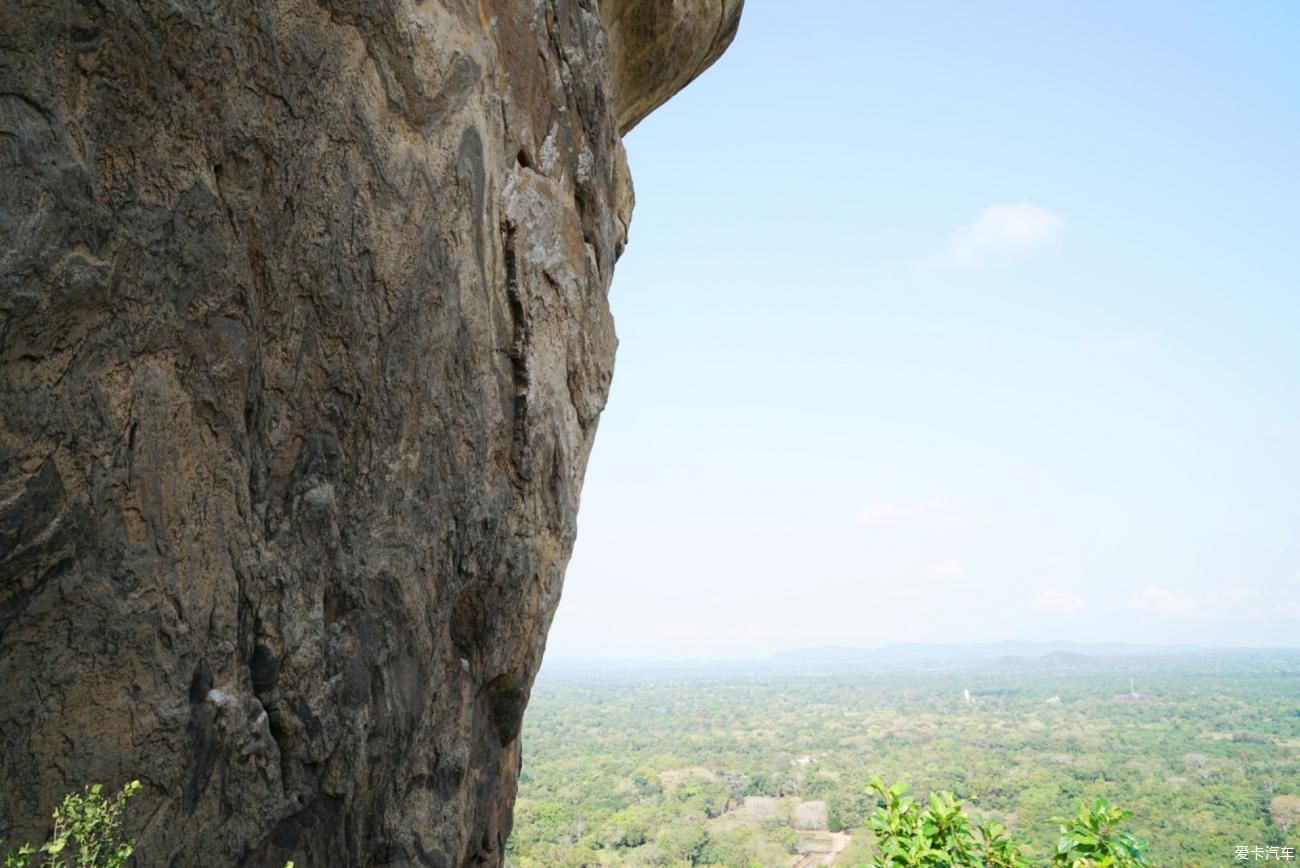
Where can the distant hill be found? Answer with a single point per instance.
(1009, 653)
(899, 657)
(1055, 660)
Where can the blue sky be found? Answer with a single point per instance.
(957, 322)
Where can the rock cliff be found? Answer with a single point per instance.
(303, 342)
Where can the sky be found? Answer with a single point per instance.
(957, 322)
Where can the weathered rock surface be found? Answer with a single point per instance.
(303, 342)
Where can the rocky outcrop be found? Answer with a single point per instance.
(303, 342)
(656, 52)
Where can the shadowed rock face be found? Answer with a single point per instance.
(303, 342)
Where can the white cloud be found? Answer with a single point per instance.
(1164, 601)
(1060, 602)
(885, 513)
(949, 569)
(1003, 231)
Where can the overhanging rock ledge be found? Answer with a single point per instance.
(303, 342)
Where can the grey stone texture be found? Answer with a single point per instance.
(304, 337)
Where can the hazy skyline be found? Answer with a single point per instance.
(957, 322)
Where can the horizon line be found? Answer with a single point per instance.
(806, 649)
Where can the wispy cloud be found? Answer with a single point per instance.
(1000, 232)
(1059, 602)
(886, 513)
(1165, 602)
(947, 570)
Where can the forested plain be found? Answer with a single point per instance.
(700, 766)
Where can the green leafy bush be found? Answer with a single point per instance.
(938, 834)
(87, 834)
(1093, 838)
